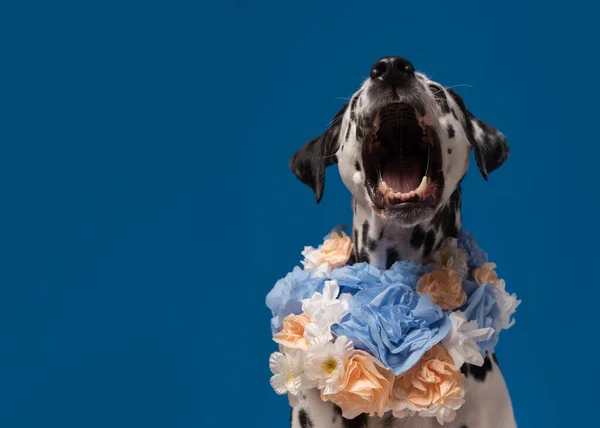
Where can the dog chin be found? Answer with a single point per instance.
(406, 215)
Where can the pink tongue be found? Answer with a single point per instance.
(403, 174)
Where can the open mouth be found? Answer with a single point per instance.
(402, 160)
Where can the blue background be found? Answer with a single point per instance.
(147, 206)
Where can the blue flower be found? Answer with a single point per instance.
(481, 306)
(393, 323)
(285, 297)
(358, 276)
(477, 257)
(353, 278)
(405, 272)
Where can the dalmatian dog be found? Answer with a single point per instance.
(402, 145)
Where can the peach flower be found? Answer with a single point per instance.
(433, 387)
(444, 286)
(337, 249)
(366, 387)
(292, 332)
(486, 273)
(334, 252)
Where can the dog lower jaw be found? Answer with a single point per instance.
(406, 215)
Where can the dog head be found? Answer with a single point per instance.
(402, 144)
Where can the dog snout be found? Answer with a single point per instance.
(393, 71)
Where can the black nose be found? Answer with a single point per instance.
(393, 70)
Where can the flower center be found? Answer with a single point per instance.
(329, 366)
(289, 377)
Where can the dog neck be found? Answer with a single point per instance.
(381, 242)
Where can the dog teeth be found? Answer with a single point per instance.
(422, 187)
(389, 193)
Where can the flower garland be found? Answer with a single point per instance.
(374, 341)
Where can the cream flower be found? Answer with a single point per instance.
(486, 273)
(461, 341)
(452, 257)
(287, 371)
(325, 361)
(365, 388)
(324, 310)
(292, 333)
(507, 303)
(313, 262)
(433, 387)
(444, 286)
(334, 252)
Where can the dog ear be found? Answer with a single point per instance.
(309, 163)
(490, 146)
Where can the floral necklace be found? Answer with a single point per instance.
(374, 341)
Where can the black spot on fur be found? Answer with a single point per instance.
(496, 360)
(479, 373)
(352, 259)
(464, 426)
(416, 240)
(449, 151)
(358, 422)
(372, 245)
(388, 421)
(451, 227)
(381, 234)
(391, 257)
(357, 166)
(454, 114)
(364, 257)
(304, 420)
(365, 233)
(352, 116)
(348, 134)
(450, 224)
(429, 241)
(355, 241)
(451, 132)
(464, 369)
(446, 218)
(359, 133)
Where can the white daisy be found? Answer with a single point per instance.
(461, 341)
(287, 371)
(324, 310)
(325, 361)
